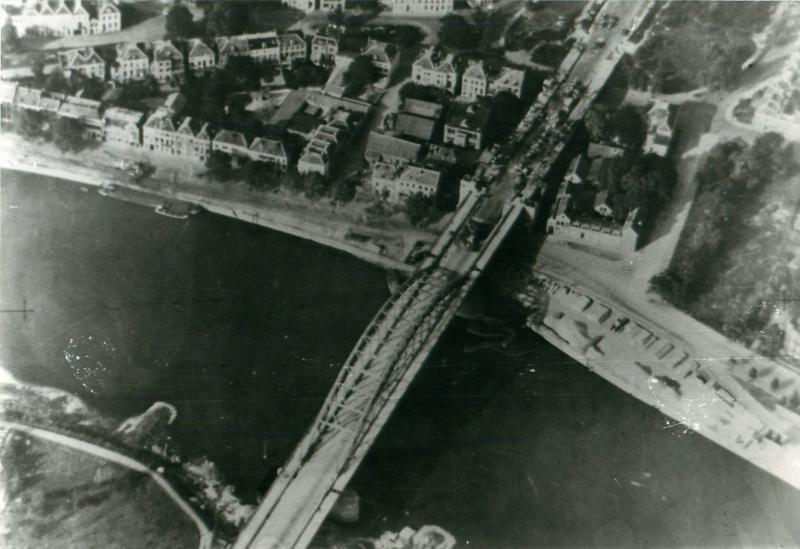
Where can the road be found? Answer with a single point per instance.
(119, 459)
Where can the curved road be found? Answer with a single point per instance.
(120, 459)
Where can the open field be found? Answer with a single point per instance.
(58, 497)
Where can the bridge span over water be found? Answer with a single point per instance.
(374, 378)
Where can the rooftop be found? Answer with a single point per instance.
(422, 108)
(414, 126)
(381, 144)
(471, 117)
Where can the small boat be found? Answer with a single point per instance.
(108, 189)
(166, 210)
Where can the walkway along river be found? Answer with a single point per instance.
(243, 330)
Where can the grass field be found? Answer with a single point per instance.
(57, 497)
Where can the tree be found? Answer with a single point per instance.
(30, 123)
(68, 134)
(344, 189)
(336, 17)
(180, 23)
(456, 32)
(226, 18)
(260, 175)
(419, 208)
(10, 39)
(315, 184)
(304, 73)
(359, 74)
(219, 165)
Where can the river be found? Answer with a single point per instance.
(243, 329)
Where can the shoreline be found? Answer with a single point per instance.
(250, 213)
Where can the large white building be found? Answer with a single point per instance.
(85, 61)
(476, 81)
(421, 7)
(260, 46)
(59, 18)
(313, 5)
(435, 69)
(398, 183)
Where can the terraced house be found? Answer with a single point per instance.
(383, 55)
(199, 56)
(292, 48)
(193, 139)
(130, 62)
(231, 142)
(109, 19)
(85, 61)
(42, 17)
(158, 134)
(434, 68)
(122, 126)
(167, 63)
(398, 183)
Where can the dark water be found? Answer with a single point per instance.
(242, 329)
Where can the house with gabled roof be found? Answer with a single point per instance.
(199, 56)
(85, 61)
(231, 142)
(193, 139)
(474, 83)
(383, 55)
(109, 18)
(508, 80)
(130, 62)
(292, 47)
(123, 126)
(434, 68)
(272, 151)
(167, 61)
(465, 125)
(323, 49)
(158, 133)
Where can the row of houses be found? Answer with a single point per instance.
(58, 18)
(399, 7)
(435, 68)
(167, 60)
(164, 131)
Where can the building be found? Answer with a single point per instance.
(292, 48)
(578, 170)
(776, 105)
(86, 111)
(168, 62)
(659, 132)
(109, 18)
(391, 150)
(199, 56)
(130, 63)
(309, 6)
(260, 46)
(384, 56)
(477, 82)
(396, 183)
(193, 139)
(567, 224)
(231, 142)
(415, 127)
(508, 80)
(159, 131)
(433, 68)
(474, 83)
(465, 125)
(323, 49)
(601, 204)
(85, 61)
(270, 151)
(43, 17)
(600, 150)
(320, 149)
(422, 7)
(28, 98)
(8, 91)
(304, 5)
(123, 126)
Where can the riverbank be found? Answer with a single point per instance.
(361, 241)
(665, 373)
